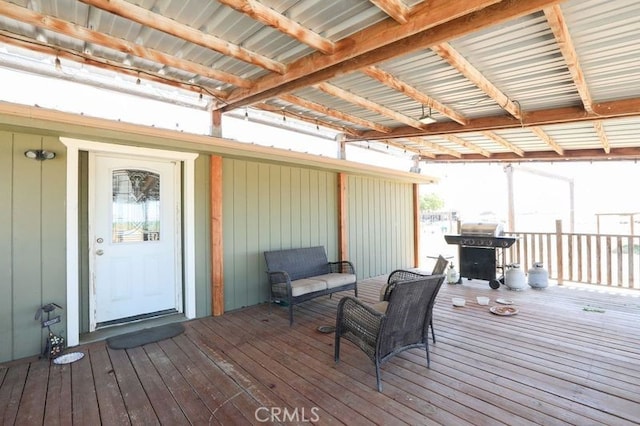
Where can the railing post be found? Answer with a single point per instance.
(559, 251)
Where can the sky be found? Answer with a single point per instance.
(475, 190)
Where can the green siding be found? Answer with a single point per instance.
(271, 207)
(33, 240)
(265, 207)
(380, 225)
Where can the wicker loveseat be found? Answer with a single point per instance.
(298, 275)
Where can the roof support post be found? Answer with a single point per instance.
(416, 225)
(341, 138)
(343, 242)
(216, 123)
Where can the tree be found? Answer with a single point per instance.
(431, 202)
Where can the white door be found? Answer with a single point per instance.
(134, 238)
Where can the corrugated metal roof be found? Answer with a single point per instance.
(520, 58)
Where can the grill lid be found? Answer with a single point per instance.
(487, 229)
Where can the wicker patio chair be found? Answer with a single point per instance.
(404, 324)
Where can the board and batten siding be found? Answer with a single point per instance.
(380, 225)
(271, 207)
(32, 241)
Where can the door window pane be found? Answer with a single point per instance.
(136, 206)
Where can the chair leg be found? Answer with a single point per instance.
(290, 314)
(426, 348)
(336, 346)
(433, 335)
(378, 381)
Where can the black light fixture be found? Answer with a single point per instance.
(427, 119)
(39, 154)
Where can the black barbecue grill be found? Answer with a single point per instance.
(479, 246)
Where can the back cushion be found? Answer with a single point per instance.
(298, 263)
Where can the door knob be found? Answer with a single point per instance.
(99, 252)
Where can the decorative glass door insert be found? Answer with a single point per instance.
(135, 206)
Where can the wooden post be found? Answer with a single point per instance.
(559, 252)
(343, 236)
(216, 123)
(416, 225)
(217, 254)
(511, 215)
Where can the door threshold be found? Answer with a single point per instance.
(122, 328)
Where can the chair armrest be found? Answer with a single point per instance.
(359, 319)
(342, 267)
(280, 284)
(276, 277)
(403, 275)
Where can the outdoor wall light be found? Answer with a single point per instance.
(39, 154)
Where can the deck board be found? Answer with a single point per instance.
(568, 357)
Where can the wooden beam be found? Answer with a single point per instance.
(72, 30)
(395, 83)
(217, 252)
(396, 9)
(435, 147)
(343, 220)
(441, 21)
(456, 60)
(593, 154)
(505, 143)
(398, 144)
(467, 144)
(558, 25)
(602, 135)
(602, 111)
(292, 99)
(370, 105)
(170, 26)
(272, 18)
(547, 139)
(307, 119)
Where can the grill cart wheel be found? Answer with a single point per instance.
(494, 284)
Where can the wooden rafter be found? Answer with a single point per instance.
(366, 103)
(396, 9)
(436, 24)
(558, 25)
(395, 83)
(602, 135)
(35, 45)
(463, 66)
(272, 18)
(313, 106)
(467, 144)
(158, 22)
(505, 143)
(547, 139)
(436, 147)
(400, 145)
(85, 34)
(307, 119)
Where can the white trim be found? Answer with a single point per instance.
(73, 250)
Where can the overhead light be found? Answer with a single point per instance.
(427, 119)
(39, 154)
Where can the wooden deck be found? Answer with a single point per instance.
(569, 357)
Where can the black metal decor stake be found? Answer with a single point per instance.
(54, 344)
